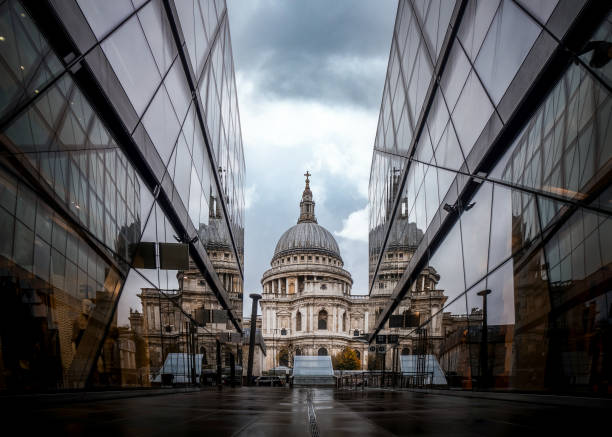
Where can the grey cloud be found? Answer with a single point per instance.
(314, 50)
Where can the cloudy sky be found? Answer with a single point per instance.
(310, 76)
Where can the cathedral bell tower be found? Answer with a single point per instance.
(307, 205)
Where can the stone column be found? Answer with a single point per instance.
(312, 327)
(287, 286)
(366, 323)
(334, 320)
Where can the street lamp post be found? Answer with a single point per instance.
(253, 329)
(484, 341)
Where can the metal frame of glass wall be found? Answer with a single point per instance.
(494, 140)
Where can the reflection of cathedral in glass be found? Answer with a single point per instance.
(162, 324)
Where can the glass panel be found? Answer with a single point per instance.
(475, 24)
(504, 49)
(541, 9)
(471, 113)
(161, 124)
(500, 247)
(158, 33)
(129, 54)
(104, 16)
(177, 89)
(475, 223)
(182, 172)
(419, 82)
(447, 262)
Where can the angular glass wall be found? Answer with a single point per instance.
(507, 182)
(109, 161)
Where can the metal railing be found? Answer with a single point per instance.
(354, 380)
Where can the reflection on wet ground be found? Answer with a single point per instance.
(284, 412)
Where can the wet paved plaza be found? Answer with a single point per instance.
(285, 412)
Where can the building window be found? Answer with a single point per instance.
(358, 355)
(298, 321)
(401, 255)
(295, 258)
(323, 286)
(298, 352)
(322, 352)
(283, 357)
(405, 351)
(322, 320)
(344, 322)
(302, 258)
(381, 285)
(309, 258)
(316, 258)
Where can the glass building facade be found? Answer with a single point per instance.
(121, 193)
(493, 158)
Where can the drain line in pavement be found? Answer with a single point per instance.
(312, 417)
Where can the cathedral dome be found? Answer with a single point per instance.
(307, 235)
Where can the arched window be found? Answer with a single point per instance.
(298, 352)
(323, 320)
(322, 352)
(405, 351)
(344, 322)
(358, 354)
(298, 321)
(204, 360)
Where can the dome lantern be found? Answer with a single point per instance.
(307, 205)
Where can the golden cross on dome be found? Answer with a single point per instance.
(307, 174)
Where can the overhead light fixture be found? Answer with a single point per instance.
(1, 38)
(450, 208)
(480, 177)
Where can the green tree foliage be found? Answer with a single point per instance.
(346, 360)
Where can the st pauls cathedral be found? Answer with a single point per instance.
(308, 308)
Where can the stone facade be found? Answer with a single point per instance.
(308, 308)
